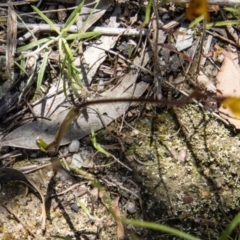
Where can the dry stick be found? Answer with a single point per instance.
(18, 219)
(120, 186)
(37, 168)
(201, 45)
(27, 168)
(11, 154)
(84, 190)
(155, 50)
(11, 39)
(222, 38)
(143, 163)
(138, 100)
(178, 103)
(74, 29)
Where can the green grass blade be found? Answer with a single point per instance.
(42, 70)
(72, 18)
(93, 9)
(83, 35)
(223, 23)
(65, 88)
(47, 20)
(33, 44)
(28, 29)
(83, 206)
(226, 233)
(63, 65)
(159, 227)
(97, 146)
(60, 48)
(21, 66)
(73, 72)
(196, 21)
(69, 73)
(148, 12)
(75, 88)
(67, 50)
(46, 45)
(233, 10)
(75, 75)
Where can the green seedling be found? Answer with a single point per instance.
(66, 51)
(97, 146)
(148, 12)
(83, 206)
(52, 148)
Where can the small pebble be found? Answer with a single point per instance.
(131, 207)
(124, 179)
(74, 207)
(74, 146)
(165, 18)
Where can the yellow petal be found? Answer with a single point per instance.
(233, 103)
(197, 8)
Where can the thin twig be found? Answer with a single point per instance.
(18, 219)
(36, 168)
(84, 190)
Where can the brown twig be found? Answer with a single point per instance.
(18, 219)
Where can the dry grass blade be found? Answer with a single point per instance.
(117, 215)
(11, 38)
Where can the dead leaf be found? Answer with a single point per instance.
(84, 21)
(25, 136)
(228, 84)
(205, 83)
